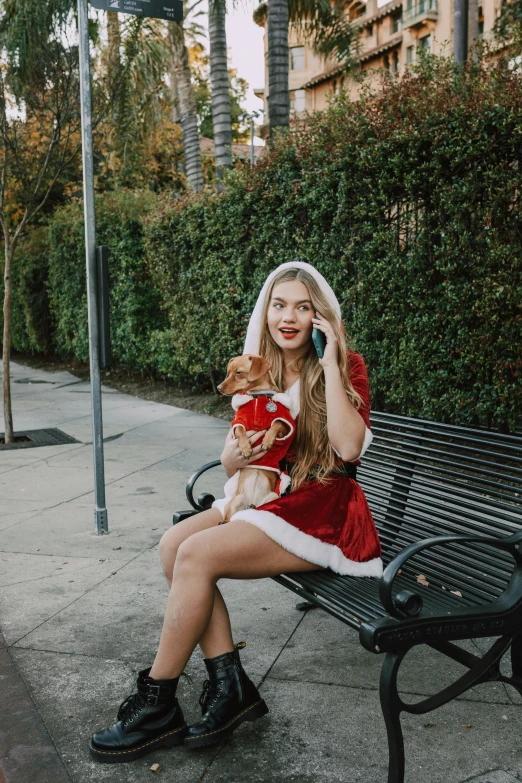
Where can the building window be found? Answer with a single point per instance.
(425, 43)
(410, 55)
(298, 100)
(396, 61)
(337, 85)
(480, 20)
(396, 23)
(369, 31)
(297, 58)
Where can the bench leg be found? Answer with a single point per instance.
(516, 663)
(391, 710)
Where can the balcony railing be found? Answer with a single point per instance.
(419, 11)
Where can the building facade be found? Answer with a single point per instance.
(390, 36)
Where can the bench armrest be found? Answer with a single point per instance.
(205, 500)
(512, 544)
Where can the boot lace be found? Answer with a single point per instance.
(131, 707)
(210, 694)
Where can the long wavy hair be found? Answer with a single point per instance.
(313, 451)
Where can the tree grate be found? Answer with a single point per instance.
(30, 439)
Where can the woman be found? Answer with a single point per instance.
(323, 522)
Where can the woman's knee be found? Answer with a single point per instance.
(168, 549)
(173, 538)
(194, 556)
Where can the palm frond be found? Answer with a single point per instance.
(327, 25)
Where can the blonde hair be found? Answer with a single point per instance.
(311, 446)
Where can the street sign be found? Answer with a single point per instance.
(172, 10)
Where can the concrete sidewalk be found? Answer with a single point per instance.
(81, 614)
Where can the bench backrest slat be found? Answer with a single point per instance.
(424, 479)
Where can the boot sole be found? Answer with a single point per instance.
(251, 713)
(168, 740)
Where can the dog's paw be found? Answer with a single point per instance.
(268, 442)
(246, 451)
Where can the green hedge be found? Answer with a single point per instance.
(408, 202)
(135, 303)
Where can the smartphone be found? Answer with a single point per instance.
(319, 340)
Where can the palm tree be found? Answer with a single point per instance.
(219, 80)
(184, 95)
(278, 94)
(324, 22)
(114, 44)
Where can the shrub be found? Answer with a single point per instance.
(408, 201)
(30, 320)
(134, 301)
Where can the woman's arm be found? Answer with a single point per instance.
(346, 428)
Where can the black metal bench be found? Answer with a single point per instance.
(447, 503)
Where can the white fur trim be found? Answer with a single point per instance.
(230, 490)
(240, 399)
(262, 467)
(294, 393)
(368, 437)
(288, 401)
(230, 487)
(309, 548)
(285, 482)
(253, 335)
(289, 433)
(284, 398)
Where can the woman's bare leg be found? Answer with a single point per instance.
(217, 639)
(236, 550)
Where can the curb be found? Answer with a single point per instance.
(26, 749)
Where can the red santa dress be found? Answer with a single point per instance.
(329, 524)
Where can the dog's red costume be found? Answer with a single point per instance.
(258, 413)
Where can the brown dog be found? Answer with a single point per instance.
(246, 374)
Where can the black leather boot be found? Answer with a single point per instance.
(229, 697)
(149, 719)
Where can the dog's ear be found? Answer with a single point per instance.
(258, 368)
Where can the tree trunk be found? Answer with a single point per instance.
(278, 53)
(460, 31)
(174, 114)
(114, 43)
(473, 28)
(6, 355)
(221, 119)
(187, 106)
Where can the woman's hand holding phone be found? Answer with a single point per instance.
(321, 327)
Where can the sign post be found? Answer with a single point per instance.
(171, 10)
(100, 510)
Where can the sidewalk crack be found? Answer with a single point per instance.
(107, 484)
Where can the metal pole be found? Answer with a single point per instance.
(100, 511)
(460, 30)
(252, 151)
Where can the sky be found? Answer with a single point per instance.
(245, 46)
